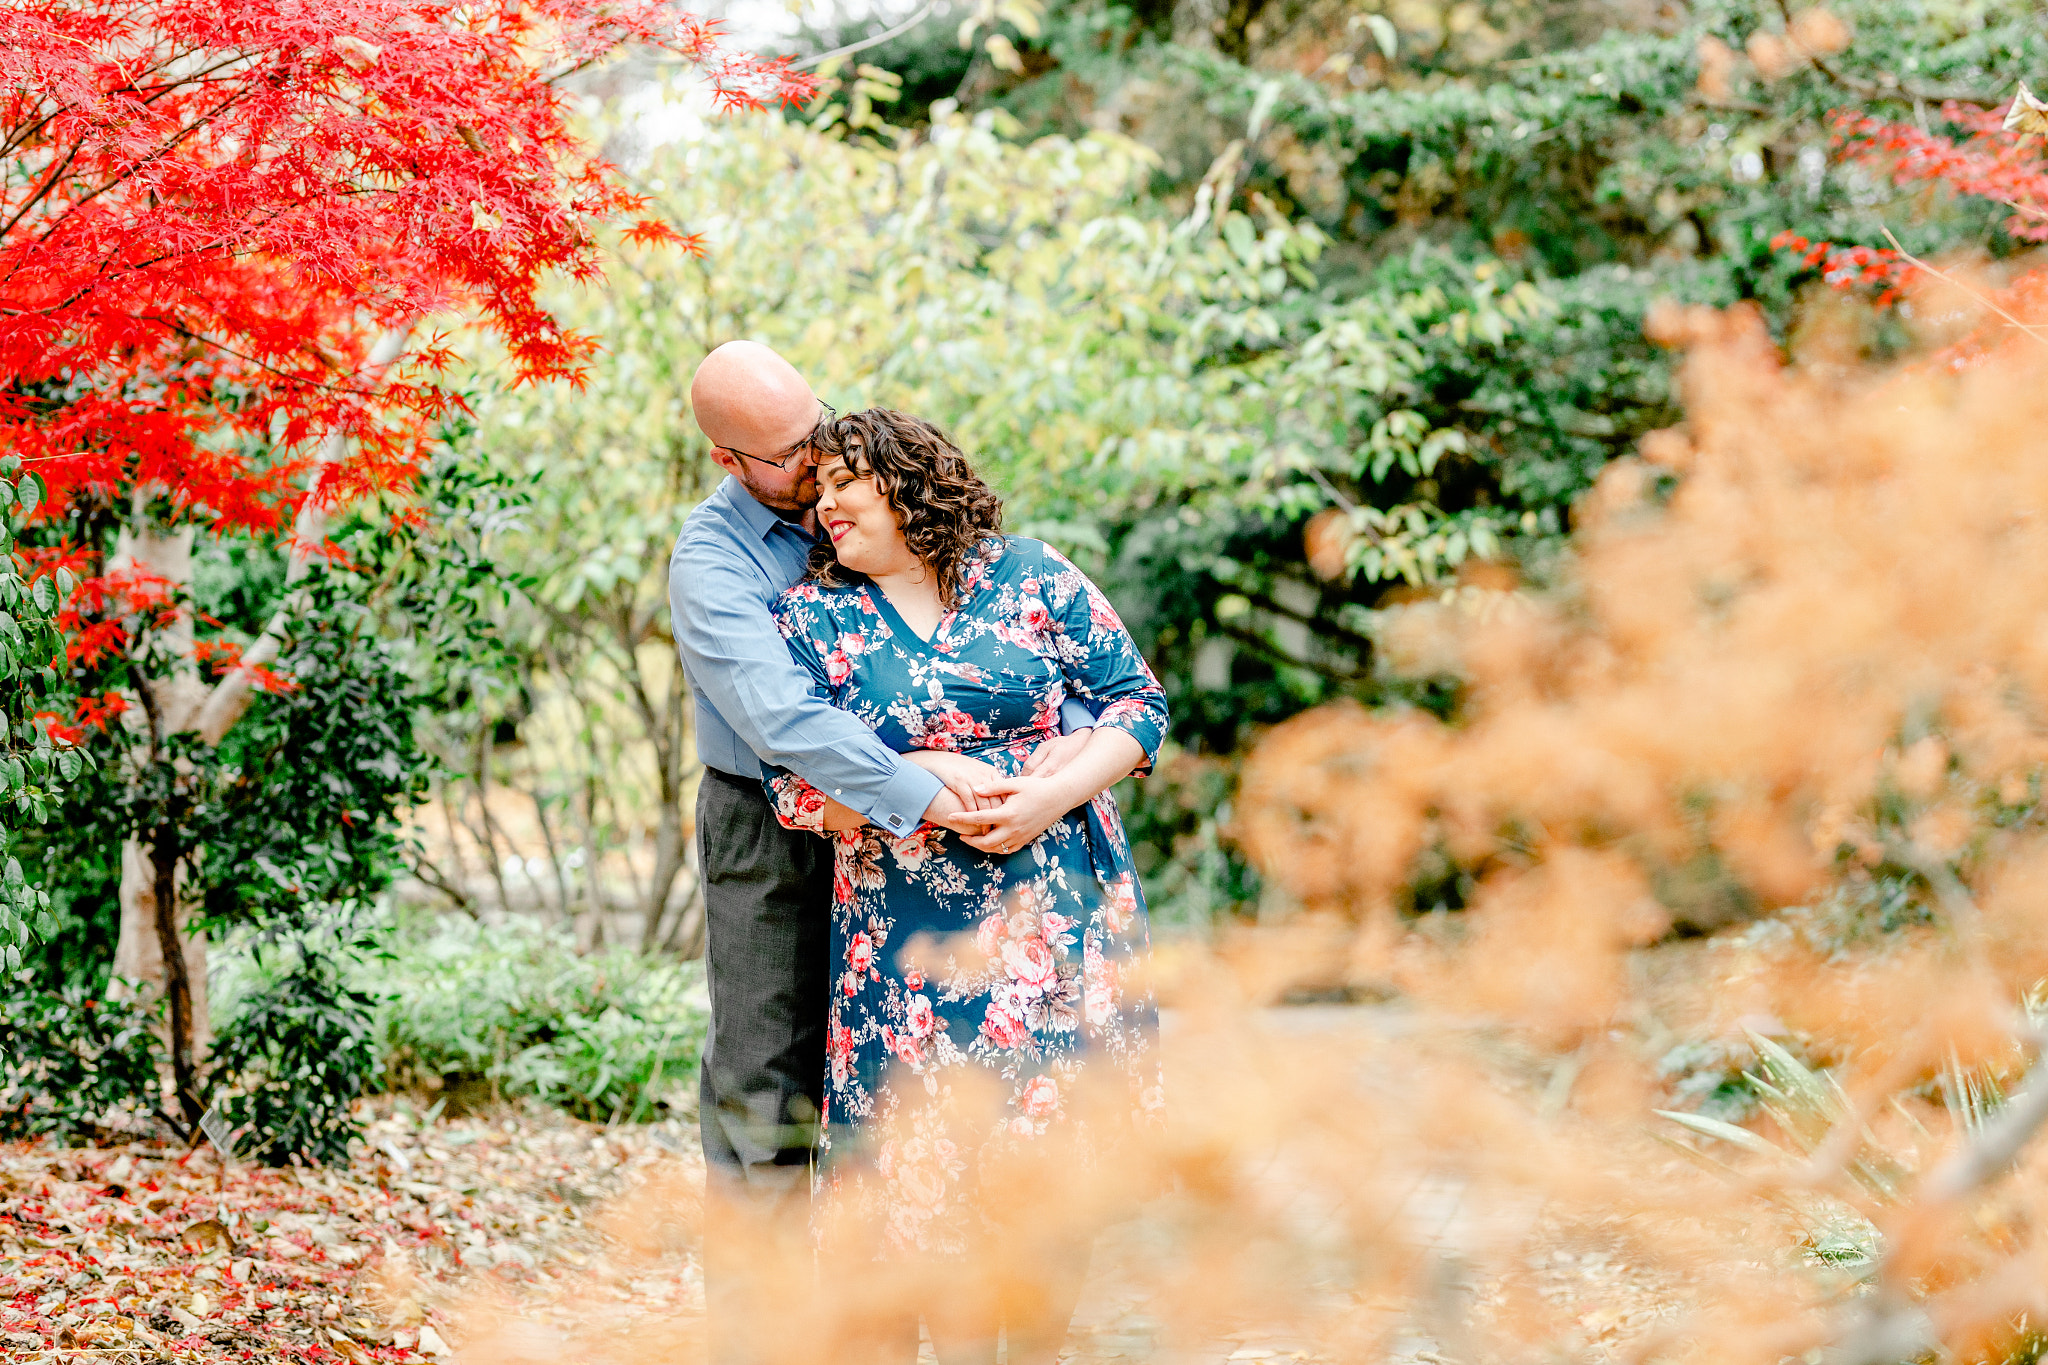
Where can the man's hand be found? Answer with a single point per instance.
(1056, 753)
(839, 818)
(950, 811)
(960, 773)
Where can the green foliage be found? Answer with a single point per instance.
(299, 1045)
(1809, 1108)
(295, 812)
(1177, 820)
(575, 661)
(1534, 155)
(389, 640)
(300, 811)
(442, 582)
(607, 1035)
(36, 765)
(1705, 1078)
(1159, 393)
(69, 1061)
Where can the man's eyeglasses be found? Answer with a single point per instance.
(782, 461)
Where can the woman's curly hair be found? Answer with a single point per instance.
(944, 508)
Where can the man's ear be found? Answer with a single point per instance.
(725, 459)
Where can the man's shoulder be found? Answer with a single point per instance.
(711, 569)
(711, 532)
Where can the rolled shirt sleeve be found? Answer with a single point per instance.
(740, 666)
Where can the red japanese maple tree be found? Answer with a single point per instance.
(224, 224)
(214, 196)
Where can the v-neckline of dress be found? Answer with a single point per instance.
(897, 623)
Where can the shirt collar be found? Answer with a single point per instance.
(759, 519)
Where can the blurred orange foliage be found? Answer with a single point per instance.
(1801, 655)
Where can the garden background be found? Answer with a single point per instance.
(1335, 340)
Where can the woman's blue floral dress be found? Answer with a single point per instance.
(1025, 968)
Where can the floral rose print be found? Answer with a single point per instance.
(1040, 1098)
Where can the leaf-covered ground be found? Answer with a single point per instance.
(146, 1253)
(526, 1237)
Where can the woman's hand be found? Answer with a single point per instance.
(962, 775)
(1032, 803)
(1056, 753)
(1030, 806)
(839, 818)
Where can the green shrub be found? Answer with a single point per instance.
(69, 1063)
(610, 1035)
(298, 1044)
(1178, 820)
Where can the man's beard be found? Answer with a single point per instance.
(802, 498)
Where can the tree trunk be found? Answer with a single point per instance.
(462, 896)
(687, 941)
(590, 925)
(138, 953)
(483, 810)
(149, 908)
(666, 728)
(668, 861)
(547, 837)
(163, 863)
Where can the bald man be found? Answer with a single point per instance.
(768, 890)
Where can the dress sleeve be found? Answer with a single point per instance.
(1100, 660)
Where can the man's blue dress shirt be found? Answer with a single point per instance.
(754, 705)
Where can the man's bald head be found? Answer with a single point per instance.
(748, 399)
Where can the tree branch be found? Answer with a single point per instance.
(424, 868)
(884, 36)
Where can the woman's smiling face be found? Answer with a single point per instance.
(866, 535)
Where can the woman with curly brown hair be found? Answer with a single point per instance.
(989, 1037)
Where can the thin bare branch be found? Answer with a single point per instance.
(2035, 330)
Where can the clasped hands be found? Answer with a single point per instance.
(989, 811)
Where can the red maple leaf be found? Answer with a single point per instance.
(655, 232)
